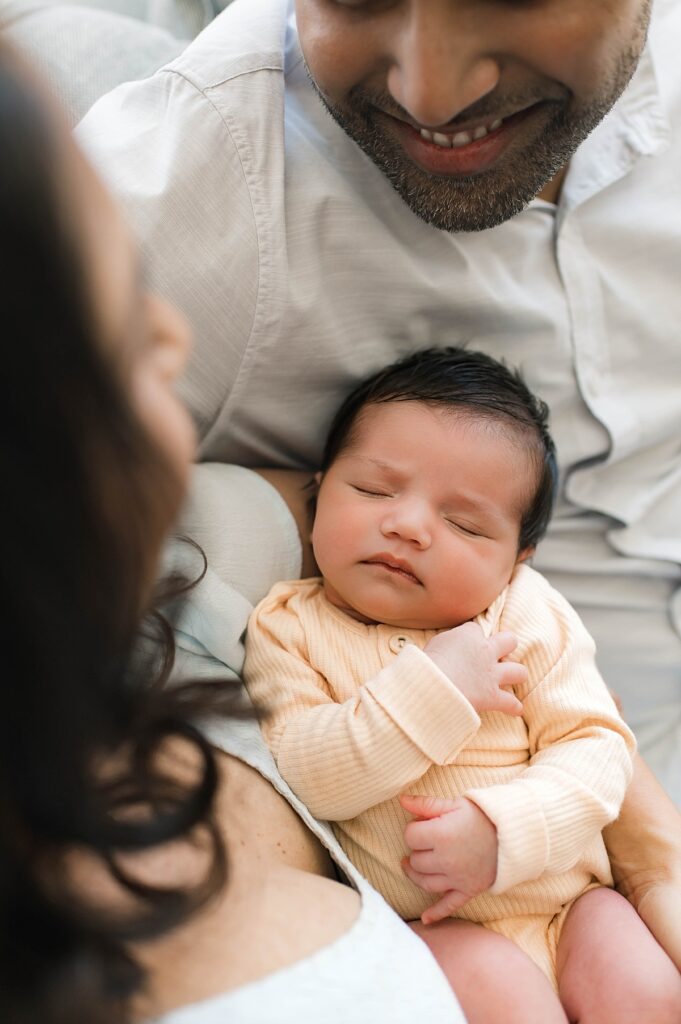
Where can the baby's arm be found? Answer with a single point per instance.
(578, 773)
(342, 757)
(581, 750)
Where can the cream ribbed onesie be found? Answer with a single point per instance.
(359, 714)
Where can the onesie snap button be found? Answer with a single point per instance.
(396, 643)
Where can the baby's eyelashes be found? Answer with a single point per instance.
(370, 491)
(472, 531)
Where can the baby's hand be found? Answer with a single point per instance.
(472, 662)
(454, 851)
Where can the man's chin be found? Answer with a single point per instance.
(488, 198)
(461, 203)
(466, 203)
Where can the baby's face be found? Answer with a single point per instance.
(418, 519)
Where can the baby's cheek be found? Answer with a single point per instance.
(332, 538)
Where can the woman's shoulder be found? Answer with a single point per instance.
(377, 970)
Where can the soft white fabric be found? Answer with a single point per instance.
(377, 973)
(301, 270)
(81, 52)
(86, 47)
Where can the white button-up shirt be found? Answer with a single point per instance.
(301, 271)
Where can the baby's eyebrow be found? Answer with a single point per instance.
(477, 505)
(374, 463)
(470, 506)
(379, 463)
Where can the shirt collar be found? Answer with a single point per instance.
(637, 126)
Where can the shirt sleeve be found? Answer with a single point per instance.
(341, 758)
(168, 154)
(581, 750)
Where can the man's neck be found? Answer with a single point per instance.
(551, 191)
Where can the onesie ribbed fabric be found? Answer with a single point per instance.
(359, 714)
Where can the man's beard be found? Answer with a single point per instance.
(479, 201)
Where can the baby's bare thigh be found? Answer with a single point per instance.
(491, 977)
(611, 969)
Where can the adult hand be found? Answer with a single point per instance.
(454, 851)
(473, 663)
(644, 845)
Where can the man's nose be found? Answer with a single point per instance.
(439, 66)
(408, 522)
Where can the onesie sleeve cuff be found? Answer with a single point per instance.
(425, 705)
(521, 831)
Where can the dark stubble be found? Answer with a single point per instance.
(480, 201)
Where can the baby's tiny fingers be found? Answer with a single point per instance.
(425, 861)
(445, 907)
(512, 674)
(420, 835)
(508, 704)
(426, 806)
(503, 643)
(429, 883)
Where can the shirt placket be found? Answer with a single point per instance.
(625, 138)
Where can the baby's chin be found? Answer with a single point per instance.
(413, 622)
(381, 612)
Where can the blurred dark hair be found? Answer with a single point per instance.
(85, 720)
(456, 378)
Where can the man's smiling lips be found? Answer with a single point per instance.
(465, 150)
(395, 566)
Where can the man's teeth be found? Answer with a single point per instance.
(460, 138)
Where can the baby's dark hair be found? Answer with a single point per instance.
(457, 378)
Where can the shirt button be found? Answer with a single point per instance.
(396, 643)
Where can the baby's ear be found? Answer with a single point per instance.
(312, 491)
(525, 554)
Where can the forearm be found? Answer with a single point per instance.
(547, 817)
(341, 759)
(644, 845)
(580, 749)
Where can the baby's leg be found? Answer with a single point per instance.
(492, 978)
(610, 968)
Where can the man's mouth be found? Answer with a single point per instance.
(456, 140)
(464, 151)
(395, 566)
